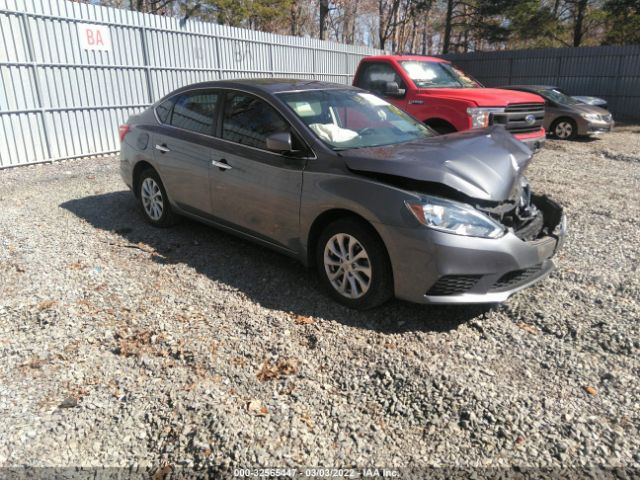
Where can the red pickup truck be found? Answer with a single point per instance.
(447, 99)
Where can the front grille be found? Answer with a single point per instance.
(515, 116)
(453, 284)
(515, 278)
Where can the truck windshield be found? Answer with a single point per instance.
(345, 119)
(557, 96)
(437, 75)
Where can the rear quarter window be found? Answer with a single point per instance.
(164, 110)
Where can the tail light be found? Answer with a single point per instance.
(123, 130)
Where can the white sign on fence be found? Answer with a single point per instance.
(94, 37)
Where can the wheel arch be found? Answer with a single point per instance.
(325, 219)
(440, 124)
(140, 167)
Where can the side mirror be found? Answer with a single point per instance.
(279, 142)
(391, 89)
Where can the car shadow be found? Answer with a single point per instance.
(266, 277)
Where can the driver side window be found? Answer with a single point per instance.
(249, 120)
(374, 77)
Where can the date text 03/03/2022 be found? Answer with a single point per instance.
(315, 473)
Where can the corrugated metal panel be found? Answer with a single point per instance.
(60, 101)
(611, 72)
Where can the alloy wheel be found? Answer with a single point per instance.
(564, 130)
(347, 265)
(152, 199)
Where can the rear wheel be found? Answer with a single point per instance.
(153, 199)
(564, 129)
(353, 264)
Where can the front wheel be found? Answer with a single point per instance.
(153, 200)
(565, 129)
(353, 264)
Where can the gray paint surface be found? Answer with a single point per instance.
(611, 72)
(59, 101)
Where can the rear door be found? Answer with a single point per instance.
(183, 148)
(253, 189)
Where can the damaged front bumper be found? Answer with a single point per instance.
(440, 268)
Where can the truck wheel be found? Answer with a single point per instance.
(353, 264)
(564, 129)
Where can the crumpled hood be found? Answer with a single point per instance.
(485, 97)
(483, 164)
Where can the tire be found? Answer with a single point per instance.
(564, 129)
(351, 287)
(154, 202)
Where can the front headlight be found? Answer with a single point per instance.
(453, 217)
(594, 117)
(480, 116)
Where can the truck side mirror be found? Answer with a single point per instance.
(391, 89)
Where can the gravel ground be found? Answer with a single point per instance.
(123, 345)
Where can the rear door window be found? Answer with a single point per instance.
(195, 111)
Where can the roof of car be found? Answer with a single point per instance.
(271, 85)
(401, 58)
(532, 87)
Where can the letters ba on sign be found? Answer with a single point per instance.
(94, 37)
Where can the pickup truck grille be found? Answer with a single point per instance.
(515, 117)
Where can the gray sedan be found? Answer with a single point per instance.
(343, 181)
(567, 117)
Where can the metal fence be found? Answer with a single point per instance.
(62, 97)
(612, 73)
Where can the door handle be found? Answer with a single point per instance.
(163, 148)
(222, 164)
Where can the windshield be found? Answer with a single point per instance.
(558, 97)
(351, 119)
(437, 75)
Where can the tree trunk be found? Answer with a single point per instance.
(324, 13)
(447, 27)
(581, 7)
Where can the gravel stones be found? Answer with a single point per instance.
(126, 345)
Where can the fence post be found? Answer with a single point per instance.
(147, 67)
(315, 70)
(218, 61)
(36, 82)
(271, 60)
(618, 79)
(346, 67)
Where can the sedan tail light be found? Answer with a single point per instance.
(123, 130)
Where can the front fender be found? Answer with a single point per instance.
(384, 206)
(453, 111)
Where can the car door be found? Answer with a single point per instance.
(253, 189)
(183, 148)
